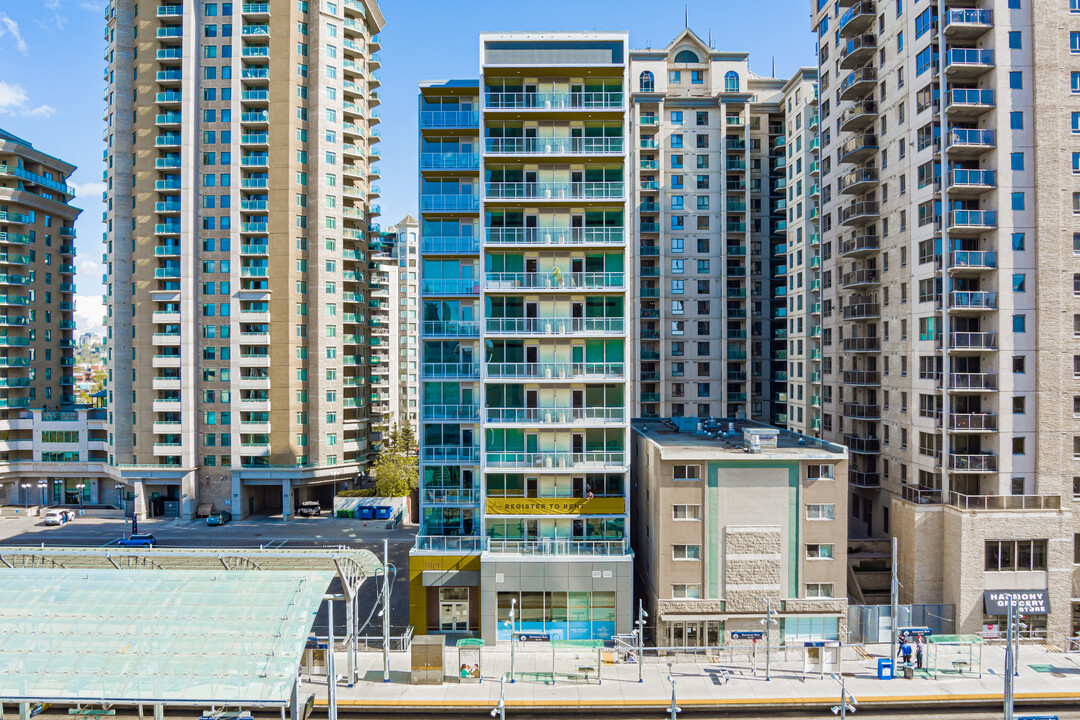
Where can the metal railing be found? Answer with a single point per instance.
(557, 546)
(555, 414)
(1004, 502)
(552, 190)
(553, 100)
(554, 145)
(556, 235)
(554, 281)
(556, 326)
(556, 370)
(554, 459)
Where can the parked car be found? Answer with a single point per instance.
(69, 514)
(218, 518)
(309, 508)
(138, 540)
(56, 517)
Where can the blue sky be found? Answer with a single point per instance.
(51, 82)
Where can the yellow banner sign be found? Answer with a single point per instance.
(556, 506)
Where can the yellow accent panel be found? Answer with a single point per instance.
(418, 593)
(556, 506)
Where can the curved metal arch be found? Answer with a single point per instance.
(239, 562)
(137, 562)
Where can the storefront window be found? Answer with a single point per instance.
(810, 628)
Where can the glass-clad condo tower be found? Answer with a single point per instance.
(525, 342)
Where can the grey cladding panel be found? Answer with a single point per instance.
(553, 53)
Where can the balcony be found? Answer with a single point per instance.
(859, 411)
(554, 146)
(972, 382)
(859, 213)
(551, 281)
(967, 64)
(557, 460)
(969, 104)
(860, 245)
(971, 222)
(863, 445)
(862, 311)
(449, 161)
(557, 371)
(553, 100)
(557, 547)
(556, 236)
(973, 422)
(972, 260)
(976, 301)
(860, 82)
(1004, 502)
(467, 413)
(449, 245)
(449, 119)
(556, 326)
(859, 148)
(449, 203)
(973, 341)
(451, 328)
(864, 478)
(857, 51)
(979, 463)
(967, 23)
(554, 190)
(862, 378)
(555, 415)
(450, 454)
(969, 142)
(859, 180)
(858, 116)
(858, 18)
(861, 344)
(862, 278)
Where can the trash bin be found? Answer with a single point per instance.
(383, 512)
(884, 669)
(365, 512)
(909, 671)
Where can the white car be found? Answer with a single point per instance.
(56, 517)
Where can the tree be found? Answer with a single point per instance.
(407, 440)
(395, 473)
(393, 439)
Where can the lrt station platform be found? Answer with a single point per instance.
(113, 631)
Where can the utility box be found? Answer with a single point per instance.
(427, 659)
(885, 669)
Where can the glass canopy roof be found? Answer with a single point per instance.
(155, 636)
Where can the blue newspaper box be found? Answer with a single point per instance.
(884, 669)
(383, 512)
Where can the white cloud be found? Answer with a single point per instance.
(97, 7)
(88, 191)
(89, 314)
(10, 27)
(14, 101)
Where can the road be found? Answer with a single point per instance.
(255, 532)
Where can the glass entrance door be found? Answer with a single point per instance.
(454, 609)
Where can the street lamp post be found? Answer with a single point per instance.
(41, 486)
(25, 487)
(847, 701)
(513, 637)
(80, 488)
(768, 621)
(499, 710)
(674, 710)
(641, 640)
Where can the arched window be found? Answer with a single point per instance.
(686, 56)
(646, 81)
(731, 81)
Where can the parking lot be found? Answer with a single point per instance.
(259, 531)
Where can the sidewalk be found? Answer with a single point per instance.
(1047, 679)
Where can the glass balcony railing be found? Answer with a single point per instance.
(555, 190)
(553, 100)
(554, 459)
(554, 146)
(556, 326)
(557, 370)
(556, 235)
(553, 281)
(555, 415)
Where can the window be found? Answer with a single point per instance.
(686, 552)
(687, 472)
(674, 77)
(1015, 40)
(819, 552)
(1075, 82)
(820, 472)
(820, 512)
(686, 512)
(1016, 120)
(731, 81)
(1022, 555)
(819, 590)
(676, 117)
(1019, 323)
(686, 590)
(646, 82)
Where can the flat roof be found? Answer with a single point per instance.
(722, 439)
(195, 637)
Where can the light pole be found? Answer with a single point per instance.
(1010, 662)
(41, 486)
(845, 697)
(768, 622)
(499, 710)
(674, 710)
(513, 637)
(386, 610)
(25, 487)
(119, 494)
(80, 488)
(641, 640)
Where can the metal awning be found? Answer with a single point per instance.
(155, 636)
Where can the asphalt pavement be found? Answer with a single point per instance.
(254, 532)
